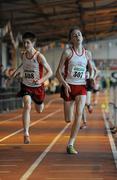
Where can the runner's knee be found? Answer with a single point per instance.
(27, 106)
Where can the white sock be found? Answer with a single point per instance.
(71, 142)
(26, 132)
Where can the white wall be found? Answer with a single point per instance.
(104, 49)
(100, 50)
(53, 57)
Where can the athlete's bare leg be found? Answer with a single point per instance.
(88, 98)
(90, 108)
(80, 104)
(26, 117)
(88, 102)
(84, 116)
(69, 111)
(39, 107)
(84, 120)
(95, 99)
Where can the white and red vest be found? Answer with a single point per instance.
(32, 70)
(75, 68)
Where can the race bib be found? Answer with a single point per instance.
(78, 72)
(29, 74)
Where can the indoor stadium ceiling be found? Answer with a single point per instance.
(51, 19)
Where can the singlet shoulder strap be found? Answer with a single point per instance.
(87, 54)
(38, 55)
(23, 54)
(83, 51)
(31, 56)
(72, 52)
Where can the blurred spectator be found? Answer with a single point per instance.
(96, 89)
(103, 83)
(6, 78)
(46, 85)
(1, 74)
(113, 79)
(53, 85)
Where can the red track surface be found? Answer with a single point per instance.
(45, 158)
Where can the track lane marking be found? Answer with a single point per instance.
(32, 124)
(14, 118)
(28, 173)
(112, 144)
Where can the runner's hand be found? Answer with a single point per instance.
(67, 89)
(37, 81)
(92, 81)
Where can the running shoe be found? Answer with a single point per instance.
(95, 103)
(26, 139)
(67, 121)
(83, 126)
(90, 108)
(112, 128)
(71, 150)
(114, 131)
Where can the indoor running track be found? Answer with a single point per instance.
(45, 158)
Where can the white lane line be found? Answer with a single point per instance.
(11, 119)
(51, 101)
(32, 124)
(14, 118)
(49, 115)
(10, 135)
(41, 157)
(112, 144)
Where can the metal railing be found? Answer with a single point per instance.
(10, 104)
(9, 100)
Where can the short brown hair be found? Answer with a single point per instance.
(29, 35)
(71, 30)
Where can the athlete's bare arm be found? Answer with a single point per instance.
(95, 71)
(90, 66)
(67, 53)
(41, 59)
(17, 71)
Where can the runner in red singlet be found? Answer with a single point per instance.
(71, 73)
(32, 87)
